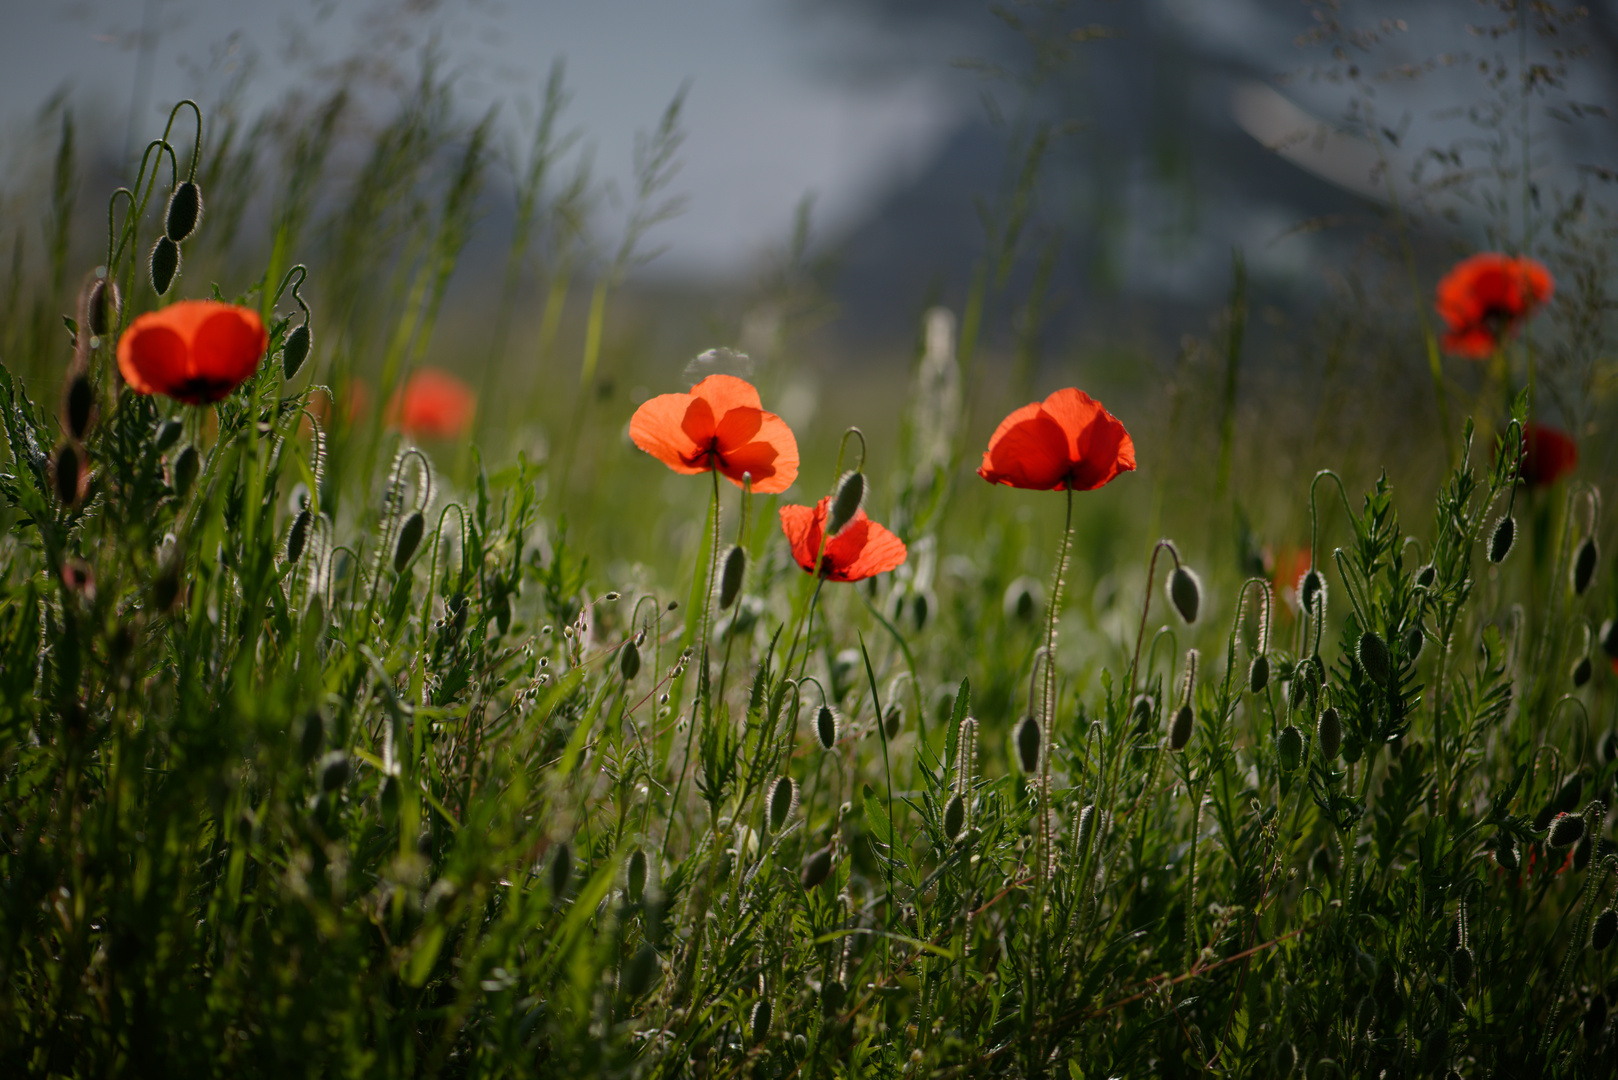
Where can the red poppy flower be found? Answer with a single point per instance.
(863, 549)
(1548, 455)
(1485, 299)
(1066, 442)
(433, 404)
(195, 351)
(1286, 570)
(720, 425)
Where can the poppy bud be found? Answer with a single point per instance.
(832, 996)
(1311, 588)
(185, 207)
(1185, 593)
(1604, 929)
(1180, 729)
(1258, 674)
(1414, 640)
(783, 800)
(102, 307)
(298, 536)
(1609, 638)
(1505, 535)
(78, 404)
(641, 972)
(1142, 711)
(186, 467)
(826, 727)
(166, 589)
(918, 611)
(69, 474)
(850, 494)
(164, 265)
(1028, 738)
(759, 1022)
(1584, 565)
(1329, 733)
(1461, 966)
(1566, 830)
(1609, 746)
(409, 539)
(1290, 748)
(1022, 599)
(311, 736)
(1581, 672)
(295, 351)
(168, 435)
(954, 816)
(629, 660)
(893, 720)
(334, 771)
(1426, 576)
(1505, 851)
(816, 869)
(730, 581)
(1352, 747)
(1374, 657)
(561, 870)
(635, 875)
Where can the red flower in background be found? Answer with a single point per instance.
(433, 404)
(720, 425)
(195, 351)
(1286, 570)
(1548, 455)
(863, 549)
(1485, 299)
(1067, 442)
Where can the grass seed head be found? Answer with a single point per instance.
(1329, 733)
(1289, 746)
(164, 264)
(185, 209)
(1584, 565)
(1029, 740)
(1185, 593)
(1503, 538)
(850, 495)
(1375, 658)
(410, 534)
(296, 350)
(1566, 830)
(783, 800)
(1604, 929)
(1180, 729)
(730, 580)
(826, 727)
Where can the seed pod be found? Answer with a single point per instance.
(783, 800)
(1595, 1018)
(561, 870)
(185, 207)
(1426, 576)
(1505, 535)
(893, 720)
(641, 972)
(78, 404)
(168, 435)
(298, 535)
(635, 876)
(296, 350)
(1028, 738)
(759, 1022)
(800, 1046)
(1258, 674)
(1581, 672)
(1505, 851)
(409, 540)
(334, 770)
(918, 611)
(1087, 826)
(1461, 966)
(1329, 733)
(186, 467)
(1185, 593)
(816, 869)
(165, 264)
(1609, 638)
(1604, 929)
(1566, 830)
(629, 660)
(1374, 657)
(1289, 747)
(954, 816)
(730, 580)
(1311, 589)
(1142, 711)
(832, 996)
(1180, 729)
(102, 307)
(850, 494)
(68, 472)
(826, 727)
(1584, 565)
(311, 737)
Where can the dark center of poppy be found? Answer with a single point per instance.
(201, 390)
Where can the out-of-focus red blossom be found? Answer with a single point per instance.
(1286, 570)
(863, 549)
(433, 404)
(78, 577)
(195, 351)
(1548, 455)
(720, 425)
(1067, 442)
(1486, 298)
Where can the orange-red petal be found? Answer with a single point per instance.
(718, 425)
(862, 549)
(1066, 441)
(658, 427)
(195, 351)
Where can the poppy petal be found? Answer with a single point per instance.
(1031, 454)
(882, 552)
(802, 530)
(658, 427)
(227, 345)
(151, 357)
(726, 392)
(771, 458)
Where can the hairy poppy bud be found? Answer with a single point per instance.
(1505, 535)
(185, 207)
(918, 611)
(409, 539)
(1258, 674)
(298, 536)
(783, 800)
(1595, 1018)
(1414, 640)
(1461, 966)
(1180, 729)
(1505, 851)
(1353, 749)
(561, 870)
(170, 583)
(1022, 599)
(1141, 712)
(1604, 929)
(296, 350)
(759, 1022)
(1584, 565)
(641, 972)
(635, 876)
(1311, 590)
(1374, 657)
(954, 816)
(1289, 747)
(311, 736)
(629, 660)
(1426, 576)
(826, 727)
(78, 404)
(165, 264)
(816, 869)
(334, 771)
(1566, 830)
(68, 472)
(1329, 733)
(850, 494)
(102, 307)
(730, 580)
(1185, 593)
(1028, 738)
(168, 435)
(1581, 672)
(1609, 638)
(893, 720)
(186, 467)
(832, 996)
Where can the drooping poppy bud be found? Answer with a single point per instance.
(311, 736)
(783, 800)
(1141, 712)
(1609, 638)
(1329, 733)
(170, 582)
(1180, 729)
(954, 816)
(826, 727)
(298, 535)
(168, 435)
(1414, 640)
(1374, 657)
(629, 660)
(1185, 592)
(1504, 536)
(850, 497)
(410, 533)
(1258, 674)
(1461, 966)
(1604, 929)
(186, 467)
(1028, 739)
(165, 264)
(1289, 747)
(1311, 589)
(68, 472)
(1426, 576)
(185, 208)
(635, 876)
(641, 971)
(296, 350)
(730, 581)
(758, 1023)
(78, 404)
(816, 869)
(102, 307)
(1584, 565)
(1582, 670)
(893, 720)
(1505, 851)
(1566, 830)
(334, 771)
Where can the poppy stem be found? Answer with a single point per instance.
(1048, 691)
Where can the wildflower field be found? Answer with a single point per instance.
(387, 690)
